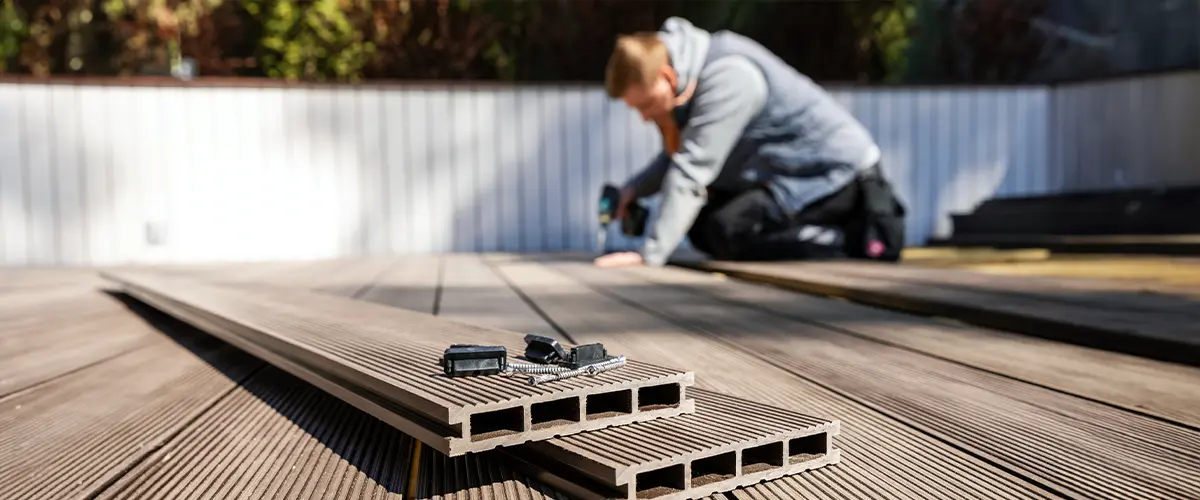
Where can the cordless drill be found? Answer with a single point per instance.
(634, 223)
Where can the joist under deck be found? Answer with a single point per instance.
(928, 409)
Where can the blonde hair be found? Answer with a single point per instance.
(635, 60)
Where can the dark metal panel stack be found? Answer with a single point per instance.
(635, 432)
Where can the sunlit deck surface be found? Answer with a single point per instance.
(104, 397)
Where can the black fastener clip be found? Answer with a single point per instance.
(543, 350)
(471, 360)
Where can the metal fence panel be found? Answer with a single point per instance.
(108, 175)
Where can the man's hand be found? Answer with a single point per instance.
(619, 259)
(627, 196)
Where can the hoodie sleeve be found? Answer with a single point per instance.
(730, 92)
(649, 180)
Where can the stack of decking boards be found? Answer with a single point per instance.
(1156, 221)
(640, 431)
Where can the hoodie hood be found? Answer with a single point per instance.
(688, 47)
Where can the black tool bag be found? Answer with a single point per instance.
(876, 231)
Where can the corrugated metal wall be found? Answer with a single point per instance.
(1135, 132)
(102, 175)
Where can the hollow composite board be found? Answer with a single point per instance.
(1151, 335)
(728, 443)
(337, 343)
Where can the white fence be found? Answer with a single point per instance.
(97, 175)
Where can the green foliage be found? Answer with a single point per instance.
(151, 31)
(893, 27)
(350, 40)
(13, 30)
(885, 33)
(315, 40)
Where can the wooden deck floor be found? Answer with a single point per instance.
(103, 398)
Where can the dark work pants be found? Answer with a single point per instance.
(750, 225)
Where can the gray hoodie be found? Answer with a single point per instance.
(751, 120)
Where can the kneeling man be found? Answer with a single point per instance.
(759, 162)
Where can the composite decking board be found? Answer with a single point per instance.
(720, 430)
(722, 425)
(473, 293)
(353, 278)
(343, 277)
(1165, 390)
(1158, 316)
(413, 284)
(883, 458)
(1056, 446)
(276, 437)
(1168, 244)
(1145, 274)
(44, 350)
(75, 434)
(29, 279)
(395, 354)
(723, 428)
(1091, 294)
(1143, 335)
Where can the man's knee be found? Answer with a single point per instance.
(698, 234)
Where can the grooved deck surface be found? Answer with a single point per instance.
(1162, 327)
(276, 437)
(395, 353)
(1050, 437)
(55, 331)
(882, 457)
(75, 434)
(1178, 275)
(929, 409)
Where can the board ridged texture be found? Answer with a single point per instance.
(616, 454)
(75, 434)
(883, 458)
(399, 350)
(476, 476)
(1052, 438)
(279, 438)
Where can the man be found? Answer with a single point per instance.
(759, 163)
